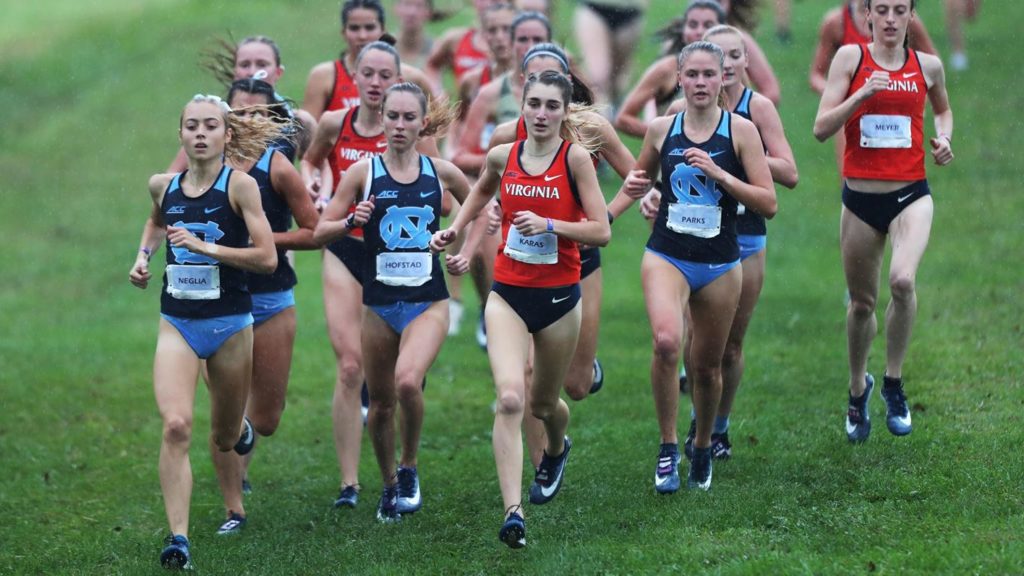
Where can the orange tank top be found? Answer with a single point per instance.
(344, 94)
(351, 147)
(543, 260)
(885, 135)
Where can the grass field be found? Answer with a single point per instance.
(91, 99)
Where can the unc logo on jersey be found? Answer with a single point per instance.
(208, 232)
(406, 226)
(692, 186)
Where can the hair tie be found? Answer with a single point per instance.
(260, 75)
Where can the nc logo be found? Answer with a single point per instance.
(406, 226)
(208, 232)
(692, 186)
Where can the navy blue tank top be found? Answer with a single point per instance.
(280, 217)
(697, 220)
(398, 264)
(749, 223)
(211, 218)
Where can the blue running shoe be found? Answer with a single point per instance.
(548, 480)
(347, 498)
(666, 475)
(409, 500)
(598, 377)
(248, 438)
(688, 443)
(175, 555)
(387, 509)
(246, 487)
(897, 413)
(721, 449)
(233, 525)
(700, 469)
(513, 531)
(858, 419)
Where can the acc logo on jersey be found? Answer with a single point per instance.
(406, 226)
(692, 186)
(208, 232)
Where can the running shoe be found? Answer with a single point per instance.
(666, 475)
(387, 509)
(455, 310)
(684, 386)
(347, 498)
(481, 332)
(175, 555)
(246, 487)
(690, 435)
(248, 438)
(700, 469)
(364, 400)
(897, 413)
(721, 449)
(598, 377)
(858, 419)
(513, 531)
(233, 525)
(409, 500)
(548, 480)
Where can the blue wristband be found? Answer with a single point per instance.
(551, 225)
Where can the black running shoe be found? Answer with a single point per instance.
(409, 499)
(858, 418)
(700, 469)
(387, 509)
(248, 438)
(721, 449)
(347, 498)
(688, 443)
(233, 525)
(598, 377)
(897, 413)
(548, 480)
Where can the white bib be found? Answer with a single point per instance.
(536, 249)
(885, 131)
(193, 282)
(698, 220)
(404, 268)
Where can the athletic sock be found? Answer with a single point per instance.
(721, 425)
(888, 382)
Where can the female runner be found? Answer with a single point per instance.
(216, 232)
(331, 85)
(283, 196)
(875, 95)
(710, 160)
(257, 57)
(658, 83)
(462, 49)
(751, 231)
(586, 374)
(406, 317)
(848, 24)
(343, 138)
(551, 201)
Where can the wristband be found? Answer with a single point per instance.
(350, 222)
(551, 225)
(610, 218)
(145, 250)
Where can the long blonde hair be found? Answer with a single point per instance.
(249, 136)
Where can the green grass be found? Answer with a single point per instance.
(91, 99)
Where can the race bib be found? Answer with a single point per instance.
(536, 249)
(193, 282)
(404, 268)
(885, 131)
(698, 220)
